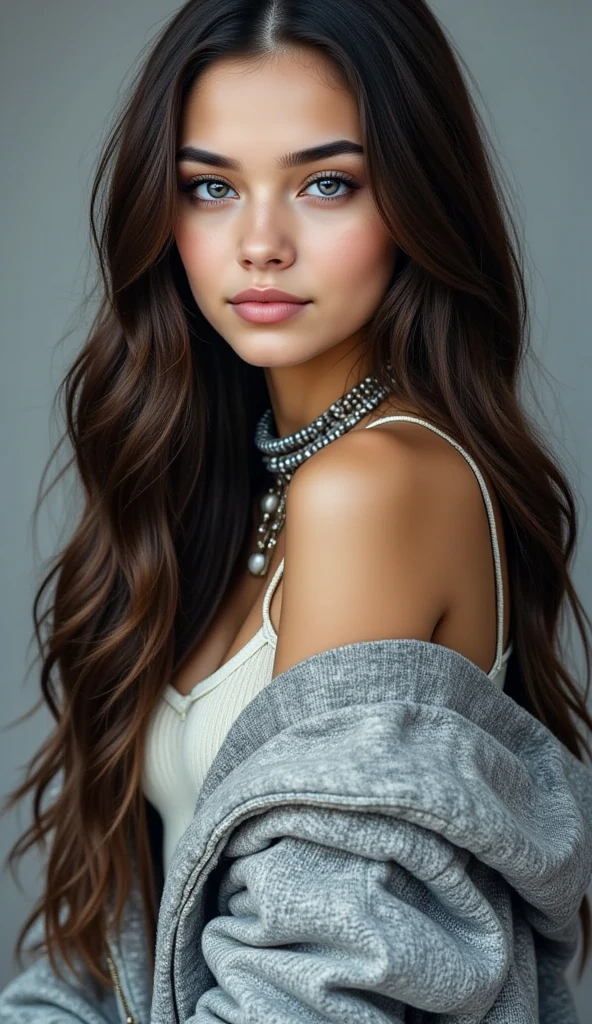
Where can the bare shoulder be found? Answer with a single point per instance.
(366, 543)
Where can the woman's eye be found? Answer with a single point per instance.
(214, 187)
(333, 183)
(214, 194)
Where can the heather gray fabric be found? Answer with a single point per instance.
(383, 836)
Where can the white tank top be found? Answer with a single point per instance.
(186, 731)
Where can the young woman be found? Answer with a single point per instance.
(303, 237)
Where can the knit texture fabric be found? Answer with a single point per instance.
(384, 835)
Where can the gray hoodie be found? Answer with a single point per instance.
(384, 835)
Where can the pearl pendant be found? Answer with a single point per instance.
(256, 563)
(283, 455)
(269, 502)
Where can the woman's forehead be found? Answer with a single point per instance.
(282, 100)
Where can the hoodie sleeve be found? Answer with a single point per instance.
(315, 928)
(38, 996)
(418, 854)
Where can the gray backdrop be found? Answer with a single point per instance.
(62, 66)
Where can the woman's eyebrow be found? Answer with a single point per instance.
(302, 156)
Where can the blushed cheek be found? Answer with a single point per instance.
(361, 257)
(187, 238)
(197, 255)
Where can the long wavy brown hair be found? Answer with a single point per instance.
(160, 415)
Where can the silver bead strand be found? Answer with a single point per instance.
(283, 455)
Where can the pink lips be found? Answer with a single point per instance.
(267, 305)
(267, 312)
(267, 294)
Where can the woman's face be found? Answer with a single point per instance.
(261, 224)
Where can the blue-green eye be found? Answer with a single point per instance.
(332, 177)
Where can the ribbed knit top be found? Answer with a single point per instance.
(186, 731)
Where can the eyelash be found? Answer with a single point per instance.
(190, 185)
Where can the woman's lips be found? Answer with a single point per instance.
(267, 312)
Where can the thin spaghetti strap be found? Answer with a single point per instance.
(267, 623)
(499, 659)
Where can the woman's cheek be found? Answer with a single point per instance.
(200, 256)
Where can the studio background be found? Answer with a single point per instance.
(62, 69)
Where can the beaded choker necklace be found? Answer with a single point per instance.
(283, 455)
